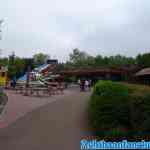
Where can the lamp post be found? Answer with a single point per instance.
(28, 76)
(1, 21)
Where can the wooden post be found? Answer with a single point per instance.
(28, 76)
(27, 80)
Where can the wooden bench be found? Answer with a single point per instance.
(32, 90)
(19, 89)
(52, 89)
(56, 88)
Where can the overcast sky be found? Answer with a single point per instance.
(55, 27)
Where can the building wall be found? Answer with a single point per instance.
(3, 78)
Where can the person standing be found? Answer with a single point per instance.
(82, 87)
(90, 84)
(13, 82)
(79, 82)
(86, 84)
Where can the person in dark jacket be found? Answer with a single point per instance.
(82, 86)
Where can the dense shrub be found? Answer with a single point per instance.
(119, 110)
(109, 88)
(140, 114)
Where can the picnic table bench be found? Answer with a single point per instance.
(56, 88)
(35, 90)
(19, 89)
(50, 89)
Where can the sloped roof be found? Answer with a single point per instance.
(39, 69)
(23, 78)
(145, 71)
(92, 71)
(42, 67)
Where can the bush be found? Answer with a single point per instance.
(140, 114)
(119, 110)
(109, 88)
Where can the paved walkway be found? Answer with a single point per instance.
(19, 105)
(59, 125)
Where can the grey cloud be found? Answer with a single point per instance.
(55, 27)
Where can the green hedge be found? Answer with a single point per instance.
(119, 110)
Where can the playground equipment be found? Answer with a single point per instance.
(40, 75)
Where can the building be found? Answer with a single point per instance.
(52, 61)
(143, 76)
(114, 74)
(3, 75)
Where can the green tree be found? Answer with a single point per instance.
(143, 60)
(101, 61)
(82, 59)
(79, 58)
(16, 66)
(40, 58)
(4, 61)
(19, 66)
(119, 60)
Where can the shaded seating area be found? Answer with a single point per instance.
(95, 74)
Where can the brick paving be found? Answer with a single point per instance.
(19, 105)
(56, 123)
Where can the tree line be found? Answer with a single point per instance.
(17, 66)
(82, 59)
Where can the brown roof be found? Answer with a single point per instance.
(145, 71)
(92, 71)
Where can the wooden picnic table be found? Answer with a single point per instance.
(52, 88)
(37, 90)
(19, 89)
(52, 84)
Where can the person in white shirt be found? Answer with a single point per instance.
(86, 84)
(79, 82)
